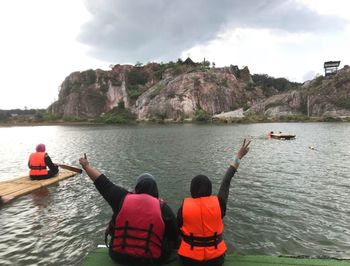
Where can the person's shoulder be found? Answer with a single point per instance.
(163, 202)
(165, 207)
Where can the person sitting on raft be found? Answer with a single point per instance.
(143, 228)
(38, 163)
(200, 218)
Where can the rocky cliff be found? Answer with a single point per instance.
(178, 90)
(173, 91)
(321, 97)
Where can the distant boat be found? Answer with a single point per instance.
(282, 136)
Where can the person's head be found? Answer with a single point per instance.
(40, 147)
(200, 186)
(146, 184)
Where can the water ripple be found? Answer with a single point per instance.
(286, 199)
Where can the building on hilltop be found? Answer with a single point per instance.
(189, 62)
(331, 68)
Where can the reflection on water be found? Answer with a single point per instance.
(286, 198)
(41, 197)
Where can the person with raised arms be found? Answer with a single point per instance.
(200, 218)
(143, 228)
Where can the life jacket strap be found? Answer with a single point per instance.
(148, 238)
(198, 241)
(124, 235)
(37, 167)
(108, 231)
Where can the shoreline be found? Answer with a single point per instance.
(246, 120)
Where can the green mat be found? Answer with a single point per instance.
(99, 257)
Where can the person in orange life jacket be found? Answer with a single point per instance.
(38, 163)
(200, 218)
(143, 228)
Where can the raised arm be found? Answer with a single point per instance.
(226, 181)
(112, 193)
(91, 172)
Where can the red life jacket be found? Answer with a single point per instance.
(202, 229)
(37, 164)
(139, 227)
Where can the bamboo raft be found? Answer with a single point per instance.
(282, 136)
(23, 185)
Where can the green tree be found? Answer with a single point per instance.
(201, 116)
(136, 76)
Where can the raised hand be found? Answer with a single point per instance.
(243, 150)
(91, 172)
(241, 153)
(83, 161)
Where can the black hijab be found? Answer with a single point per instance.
(200, 186)
(146, 184)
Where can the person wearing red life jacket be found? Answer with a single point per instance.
(40, 164)
(200, 218)
(143, 228)
(269, 135)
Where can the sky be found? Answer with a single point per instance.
(43, 41)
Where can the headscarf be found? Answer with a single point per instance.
(40, 147)
(200, 186)
(146, 184)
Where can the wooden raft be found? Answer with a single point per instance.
(282, 136)
(23, 185)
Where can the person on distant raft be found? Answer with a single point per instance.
(39, 163)
(143, 228)
(200, 218)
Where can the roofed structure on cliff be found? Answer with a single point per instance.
(189, 62)
(331, 67)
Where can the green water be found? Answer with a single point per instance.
(286, 198)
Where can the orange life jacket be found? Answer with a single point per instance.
(202, 229)
(37, 164)
(139, 227)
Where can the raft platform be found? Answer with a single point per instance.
(100, 257)
(282, 136)
(23, 185)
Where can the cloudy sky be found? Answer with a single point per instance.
(43, 41)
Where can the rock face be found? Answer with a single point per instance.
(327, 97)
(88, 94)
(178, 90)
(173, 91)
(331, 96)
(213, 91)
(289, 103)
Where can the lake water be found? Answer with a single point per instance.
(286, 199)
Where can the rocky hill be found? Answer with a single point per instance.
(321, 97)
(179, 90)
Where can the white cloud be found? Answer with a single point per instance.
(40, 47)
(277, 53)
(339, 8)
